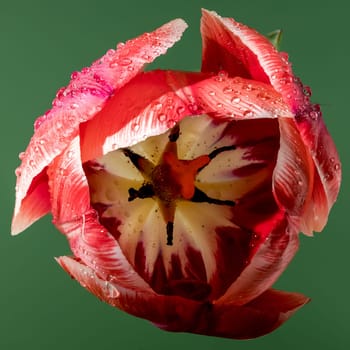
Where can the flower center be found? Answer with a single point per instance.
(172, 179)
(183, 205)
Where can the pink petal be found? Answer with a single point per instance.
(169, 96)
(74, 217)
(85, 95)
(269, 260)
(35, 205)
(177, 314)
(128, 119)
(240, 50)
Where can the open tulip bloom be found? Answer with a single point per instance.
(182, 194)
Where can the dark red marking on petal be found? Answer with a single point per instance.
(233, 251)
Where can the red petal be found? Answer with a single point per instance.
(270, 259)
(241, 51)
(128, 119)
(327, 174)
(257, 318)
(294, 171)
(85, 95)
(72, 214)
(168, 97)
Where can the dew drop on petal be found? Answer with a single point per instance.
(227, 90)
(18, 172)
(21, 155)
(180, 109)
(135, 127)
(336, 167)
(211, 93)
(74, 75)
(314, 115)
(111, 291)
(236, 100)
(248, 113)
(161, 117)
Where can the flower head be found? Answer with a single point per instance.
(182, 194)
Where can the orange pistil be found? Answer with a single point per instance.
(182, 173)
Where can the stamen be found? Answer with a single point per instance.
(169, 232)
(141, 163)
(145, 191)
(174, 133)
(199, 197)
(217, 151)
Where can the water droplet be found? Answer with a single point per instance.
(314, 115)
(161, 117)
(158, 106)
(74, 75)
(31, 163)
(74, 106)
(170, 123)
(146, 57)
(227, 90)
(219, 105)
(236, 100)
(135, 127)
(336, 167)
(211, 93)
(193, 107)
(222, 75)
(300, 183)
(111, 290)
(70, 154)
(120, 45)
(307, 91)
(248, 113)
(110, 52)
(180, 109)
(113, 64)
(18, 172)
(21, 155)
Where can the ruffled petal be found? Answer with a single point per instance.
(72, 214)
(177, 314)
(268, 261)
(85, 95)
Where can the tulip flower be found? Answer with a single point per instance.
(182, 194)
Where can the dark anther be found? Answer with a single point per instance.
(145, 191)
(220, 150)
(174, 133)
(134, 157)
(169, 233)
(199, 197)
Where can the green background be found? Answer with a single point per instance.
(42, 42)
